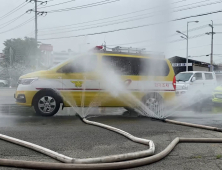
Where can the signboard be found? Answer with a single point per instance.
(181, 64)
(46, 47)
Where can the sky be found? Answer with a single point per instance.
(140, 23)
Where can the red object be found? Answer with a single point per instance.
(99, 47)
(174, 83)
(46, 47)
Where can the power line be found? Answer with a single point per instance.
(84, 6)
(192, 3)
(88, 5)
(104, 31)
(112, 21)
(24, 23)
(197, 28)
(203, 14)
(134, 18)
(120, 22)
(178, 2)
(109, 17)
(112, 24)
(129, 28)
(11, 21)
(192, 16)
(57, 4)
(14, 10)
(198, 6)
(101, 22)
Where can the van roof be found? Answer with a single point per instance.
(196, 72)
(128, 51)
(135, 54)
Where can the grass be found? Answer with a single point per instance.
(197, 157)
(218, 156)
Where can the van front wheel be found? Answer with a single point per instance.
(46, 104)
(154, 103)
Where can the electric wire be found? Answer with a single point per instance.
(106, 25)
(195, 3)
(11, 21)
(108, 17)
(105, 18)
(57, 4)
(198, 15)
(14, 10)
(120, 22)
(22, 24)
(84, 6)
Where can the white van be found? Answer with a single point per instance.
(195, 82)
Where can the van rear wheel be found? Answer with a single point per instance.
(154, 102)
(46, 104)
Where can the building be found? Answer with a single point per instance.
(46, 59)
(50, 58)
(58, 57)
(179, 65)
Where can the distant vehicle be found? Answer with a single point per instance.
(217, 95)
(3, 83)
(151, 86)
(195, 82)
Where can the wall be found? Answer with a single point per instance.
(198, 68)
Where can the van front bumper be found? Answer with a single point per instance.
(20, 98)
(24, 98)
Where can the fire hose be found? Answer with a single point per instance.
(122, 161)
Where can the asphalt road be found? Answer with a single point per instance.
(66, 134)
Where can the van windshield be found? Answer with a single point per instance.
(51, 68)
(183, 76)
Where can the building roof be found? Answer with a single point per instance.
(191, 60)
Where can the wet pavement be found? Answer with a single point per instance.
(66, 134)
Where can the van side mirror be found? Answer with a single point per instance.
(193, 79)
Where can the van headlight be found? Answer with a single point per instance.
(27, 81)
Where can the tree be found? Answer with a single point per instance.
(24, 53)
(24, 50)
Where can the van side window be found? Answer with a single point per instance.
(137, 66)
(208, 76)
(80, 65)
(153, 67)
(198, 76)
(122, 65)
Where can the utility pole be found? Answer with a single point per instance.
(186, 37)
(10, 57)
(36, 21)
(36, 14)
(212, 40)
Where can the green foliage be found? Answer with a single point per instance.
(24, 51)
(24, 55)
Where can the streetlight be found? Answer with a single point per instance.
(212, 38)
(186, 38)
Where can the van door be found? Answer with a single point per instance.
(80, 84)
(118, 78)
(198, 84)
